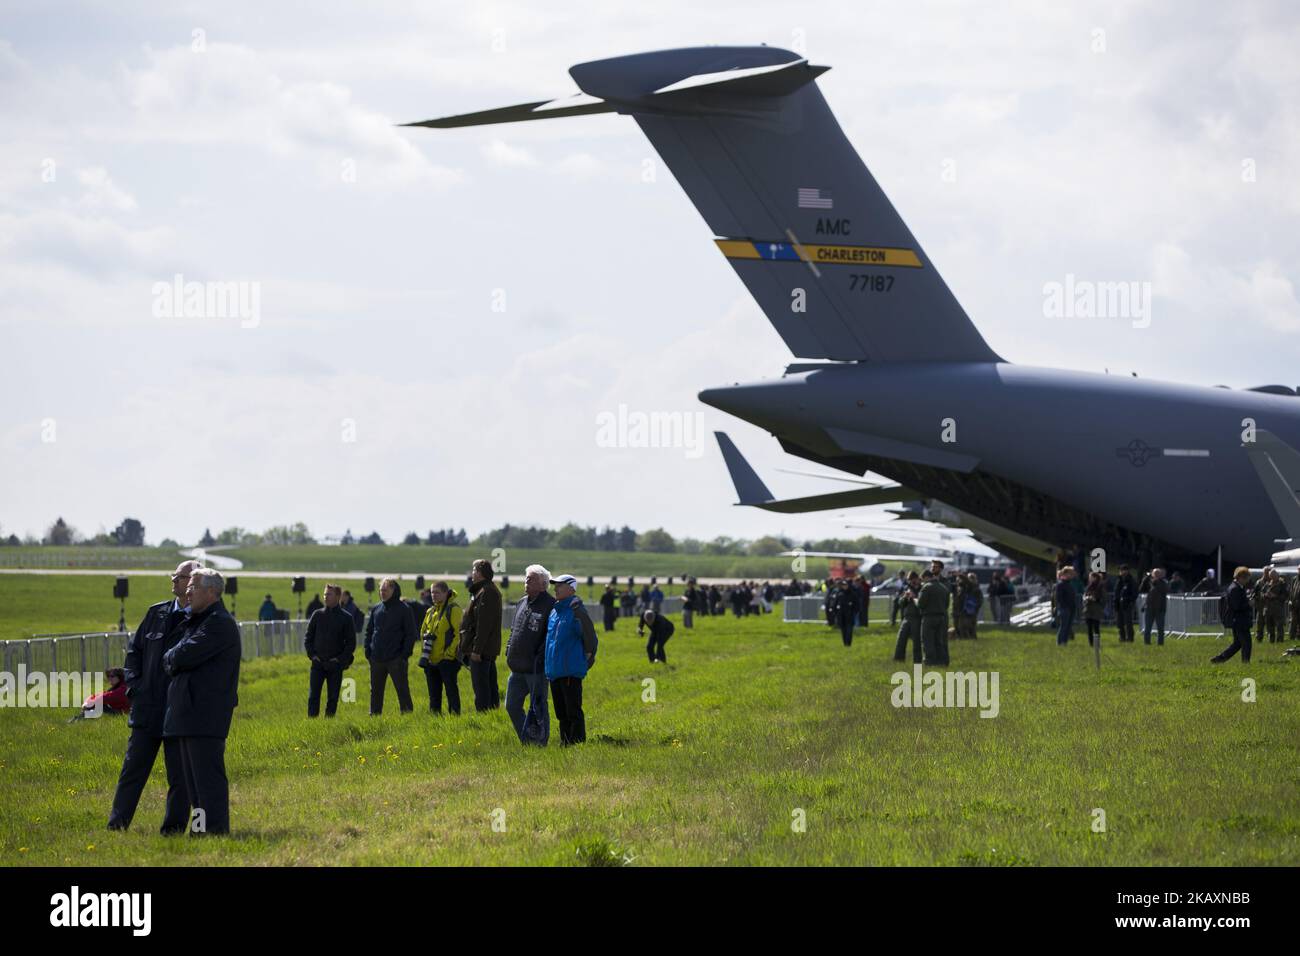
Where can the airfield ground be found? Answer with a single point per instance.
(753, 722)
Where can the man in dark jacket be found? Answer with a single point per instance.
(609, 601)
(1067, 602)
(480, 635)
(331, 643)
(1157, 604)
(660, 630)
(1126, 594)
(390, 639)
(201, 699)
(146, 683)
(1238, 618)
(526, 658)
(844, 609)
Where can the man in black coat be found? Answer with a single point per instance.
(146, 686)
(1126, 595)
(201, 699)
(1238, 618)
(390, 639)
(330, 643)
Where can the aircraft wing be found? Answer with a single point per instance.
(753, 493)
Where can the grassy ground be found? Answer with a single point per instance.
(752, 721)
(75, 603)
(417, 559)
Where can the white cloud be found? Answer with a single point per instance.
(500, 153)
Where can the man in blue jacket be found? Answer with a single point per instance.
(570, 652)
(390, 639)
(146, 686)
(201, 699)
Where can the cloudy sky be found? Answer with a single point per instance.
(443, 315)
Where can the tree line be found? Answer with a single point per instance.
(570, 537)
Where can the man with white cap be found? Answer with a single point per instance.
(570, 652)
(525, 650)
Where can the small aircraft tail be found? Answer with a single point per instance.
(793, 208)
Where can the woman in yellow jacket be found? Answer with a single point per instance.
(441, 635)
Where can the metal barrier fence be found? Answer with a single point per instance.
(98, 652)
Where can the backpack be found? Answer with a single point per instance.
(970, 606)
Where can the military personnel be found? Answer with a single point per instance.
(146, 683)
(1293, 606)
(1274, 604)
(910, 629)
(932, 604)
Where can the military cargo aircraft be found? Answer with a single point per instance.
(894, 377)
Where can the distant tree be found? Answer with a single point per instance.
(347, 538)
(656, 540)
(723, 545)
(626, 539)
(462, 539)
(690, 546)
(573, 538)
(372, 538)
(766, 547)
(208, 541)
(60, 533)
(607, 540)
(411, 538)
(13, 541)
(168, 543)
(281, 535)
(129, 534)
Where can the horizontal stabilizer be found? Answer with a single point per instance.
(579, 104)
(753, 493)
(839, 499)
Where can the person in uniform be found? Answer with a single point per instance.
(910, 628)
(146, 687)
(932, 605)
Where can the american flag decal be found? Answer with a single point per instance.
(814, 198)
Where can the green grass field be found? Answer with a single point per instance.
(84, 603)
(753, 721)
(415, 559)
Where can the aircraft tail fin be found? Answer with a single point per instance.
(751, 140)
(1278, 467)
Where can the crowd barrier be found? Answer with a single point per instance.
(98, 652)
